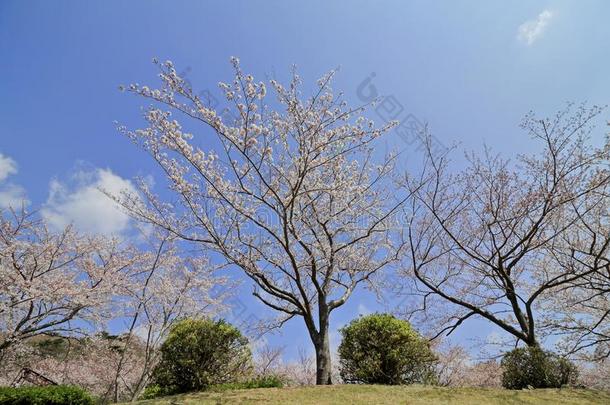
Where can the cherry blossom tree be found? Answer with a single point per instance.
(69, 285)
(268, 359)
(53, 283)
(166, 284)
(301, 371)
(500, 240)
(291, 195)
(457, 368)
(579, 311)
(89, 363)
(582, 318)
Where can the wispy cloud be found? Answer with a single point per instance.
(81, 202)
(11, 195)
(8, 166)
(531, 30)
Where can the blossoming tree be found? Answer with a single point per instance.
(52, 283)
(69, 285)
(291, 195)
(579, 312)
(502, 240)
(166, 284)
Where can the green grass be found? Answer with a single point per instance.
(379, 394)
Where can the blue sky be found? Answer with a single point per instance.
(471, 69)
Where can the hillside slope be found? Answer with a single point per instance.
(377, 394)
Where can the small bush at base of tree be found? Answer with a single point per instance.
(532, 367)
(50, 395)
(152, 391)
(269, 381)
(198, 354)
(381, 349)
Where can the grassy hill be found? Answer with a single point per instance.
(377, 394)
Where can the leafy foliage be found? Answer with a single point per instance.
(50, 395)
(533, 367)
(152, 391)
(199, 353)
(381, 349)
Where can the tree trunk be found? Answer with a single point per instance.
(323, 360)
(322, 345)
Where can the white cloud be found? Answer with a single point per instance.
(7, 166)
(80, 202)
(531, 30)
(11, 195)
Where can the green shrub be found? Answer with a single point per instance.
(152, 391)
(49, 395)
(381, 349)
(201, 353)
(533, 367)
(267, 381)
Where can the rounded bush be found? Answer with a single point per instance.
(198, 354)
(49, 395)
(381, 349)
(532, 367)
